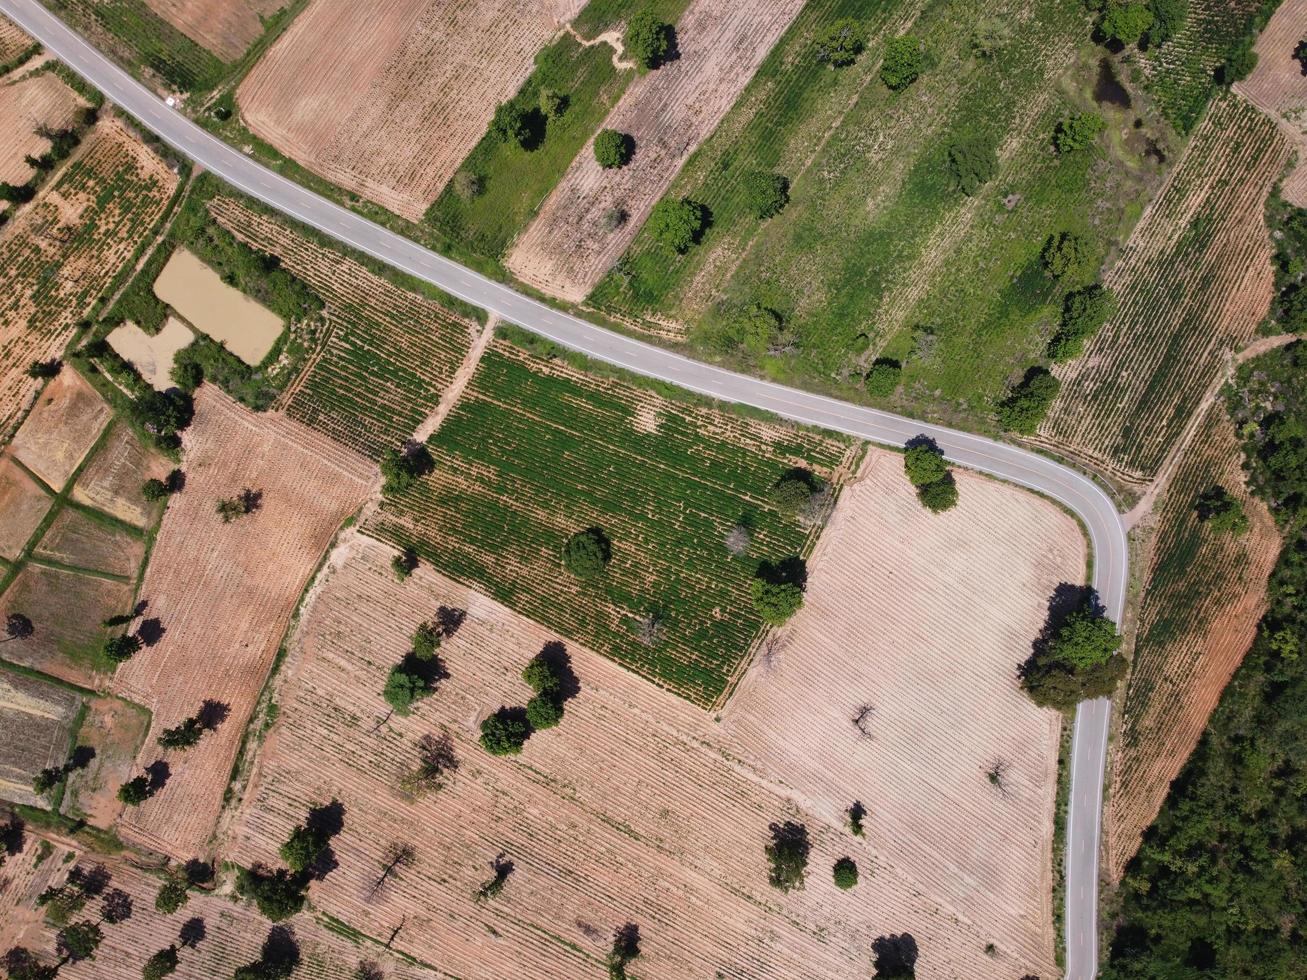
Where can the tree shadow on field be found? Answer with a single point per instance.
(894, 956)
(157, 772)
(1066, 599)
(328, 820)
(192, 932)
(788, 571)
(554, 653)
(150, 631)
(12, 836)
(82, 756)
(212, 714)
(449, 620)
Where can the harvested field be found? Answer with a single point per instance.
(1279, 87)
(84, 226)
(536, 450)
(22, 505)
(94, 542)
(387, 356)
(232, 934)
(1142, 377)
(387, 102)
(112, 480)
(13, 41)
(225, 27)
(152, 356)
(114, 728)
(638, 807)
(67, 610)
(1204, 596)
(228, 588)
(26, 106)
(61, 429)
(35, 717)
(199, 294)
(668, 112)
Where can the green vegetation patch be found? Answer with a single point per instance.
(599, 16)
(679, 495)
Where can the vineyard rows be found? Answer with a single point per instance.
(1278, 87)
(65, 248)
(1142, 377)
(1204, 595)
(535, 451)
(13, 41)
(387, 355)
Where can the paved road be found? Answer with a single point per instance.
(1101, 519)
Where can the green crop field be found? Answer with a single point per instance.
(876, 254)
(537, 449)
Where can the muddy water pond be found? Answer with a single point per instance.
(194, 290)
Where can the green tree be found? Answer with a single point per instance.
(135, 791)
(972, 163)
(122, 648)
(20, 964)
(405, 685)
(841, 42)
(764, 194)
(939, 496)
(505, 732)
(1220, 512)
(1067, 256)
(587, 553)
(1084, 311)
(787, 854)
(1077, 131)
(1079, 660)
(903, 62)
(552, 104)
(163, 414)
(1168, 17)
(613, 149)
(426, 640)
(883, 377)
(303, 847)
(775, 601)
(755, 329)
(161, 964)
(173, 894)
(1126, 22)
(277, 894)
(1239, 62)
(541, 676)
(183, 735)
(511, 123)
(792, 491)
(845, 873)
(404, 564)
(677, 224)
(1027, 404)
(924, 463)
(154, 490)
(401, 469)
(543, 711)
(79, 941)
(47, 779)
(647, 40)
(44, 369)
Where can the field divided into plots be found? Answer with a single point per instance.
(1204, 595)
(536, 450)
(1142, 377)
(386, 355)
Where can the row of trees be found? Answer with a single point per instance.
(927, 470)
(549, 674)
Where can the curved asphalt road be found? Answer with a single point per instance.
(1101, 519)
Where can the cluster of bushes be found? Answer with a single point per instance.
(1083, 312)
(421, 671)
(1026, 405)
(972, 163)
(1076, 657)
(549, 674)
(1078, 132)
(62, 143)
(777, 589)
(928, 471)
(1288, 226)
(401, 468)
(279, 893)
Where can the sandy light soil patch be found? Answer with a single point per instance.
(245, 327)
(34, 717)
(1278, 85)
(25, 106)
(224, 594)
(641, 808)
(225, 27)
(114, 728)
(387, 101)
(668, 112)
(22, 505)
(112, 480)
(85, 542)
(62, 428)
(151, 356)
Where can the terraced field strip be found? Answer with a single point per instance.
(1204, 595)
(387, 356)
(536, 450)
(64, 249)
(1193, 284)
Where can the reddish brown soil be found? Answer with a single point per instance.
(1278, 85)
(61, 429)
(225, 27)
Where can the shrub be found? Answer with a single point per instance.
(972, 163)
(587, 553)
(647, 40)
(991, 35)
(903, 62)
(1220, 512)
(1126, 22)
(543, 711)
(1027, 404)
(845, 873)
(939, 496)
(540, 675)
(401, 469)
(173, 894)
(436, 760)
(1083, 313)
(613, 149)
(552, 104)
(303, 847)
(154, 490)
(883, 377)
(1078, 131)
(161, 964)
(792, 491)
(277, 894)
(510, 122)
(924, 463)
(677, 224)
(856, 814)
(467, 185)
(181, 736)
(121, 648)
(44, 369)
(765, 193)
(787, 853)
(505, 732)
(1168, 17)
(135, 791)
(404, 563)
(613, 218)
(841, 43)
(754, 329)
(1239, 62)
(1066, 255)
(776, 602)
(1080, 660)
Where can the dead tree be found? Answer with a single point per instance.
(862, 720)
(399, 854)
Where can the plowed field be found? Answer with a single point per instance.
(112, 480)
(25, 106)
(34, 717)
(61, 429)
(22, 505)
(387, 101)
(224, 594)
(76, 538)
(225, 27)
(1279, 87)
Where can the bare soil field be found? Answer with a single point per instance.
(114, 728)
(78, 539)
(225, 27)
(224, 594)
(152, 356)
(230, 934)
(35, 717)
(65, 247)
(112, 480)
(13, 41)
(1143, 376)
(1204, 596)
(61, 429)
(640, 808)
(68, 634)
(668, 112)
(25, 106)
(388, 101)
(1279, 87)
(198, 293)
(22, 505)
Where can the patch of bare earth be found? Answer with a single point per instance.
(1204, 596)
(668, 112)
(26, 106)
(61, 429)
(387, 100)
(1278, 85)
(22, 505)
(34, 719)
(22, 878)
(225, 27)
(224, 594)
(114, 729)
(112, 480)
(74, 538)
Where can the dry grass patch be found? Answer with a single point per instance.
(115, 729)
(112, 480)
(22, 505)
(13, 41)
(34, 717)
(225, 27)
(26, 106)
(388, 101)
(224, 592)
(79, 539)
(61, 429)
